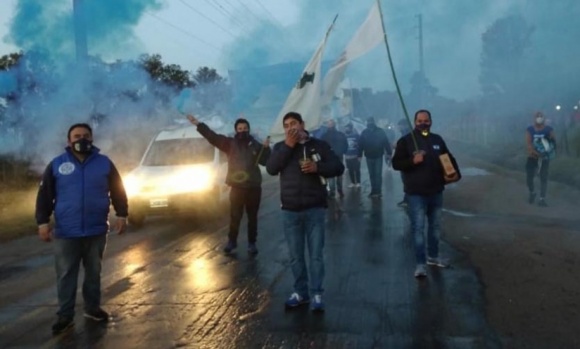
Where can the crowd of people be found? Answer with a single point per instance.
(79, 185)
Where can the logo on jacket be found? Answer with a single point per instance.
(66, 168)
(436, 146)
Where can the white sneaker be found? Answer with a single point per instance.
(437, 262)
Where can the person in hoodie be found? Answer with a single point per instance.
(303, 164)
(338, 143)
(78, 186)
(373, 144)
(244, 177)
(417, 157)
(352, 155)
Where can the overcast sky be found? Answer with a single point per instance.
(233, 34)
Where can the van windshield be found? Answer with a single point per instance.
(185, 151)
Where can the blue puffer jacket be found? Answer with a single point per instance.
(82, 195)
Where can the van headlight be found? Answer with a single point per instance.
(192, 180)
(132, 185)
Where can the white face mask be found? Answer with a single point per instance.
(540, 120)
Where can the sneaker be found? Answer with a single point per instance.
(230, 246)
(420, 271)
(317, 304)
(252, 249)
(402, 204)
(357, 185)
(296, 300)
(532, 198)
(97, 315)
(437, 262)
(62, 324)
(542, 203)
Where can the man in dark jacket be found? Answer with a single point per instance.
(352, 155)
(374, 144)
(338, 143)
(417, 155)
(244, 177)
(78, 186)
(303, 164)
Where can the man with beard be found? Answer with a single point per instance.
(244, 176)
(417, 156)
(79, 186)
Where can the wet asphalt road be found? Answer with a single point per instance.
(168, 285)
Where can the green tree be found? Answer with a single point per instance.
(212, 92)
(503, 58)
(10, 60)
(170, 74)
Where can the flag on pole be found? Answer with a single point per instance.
(305, 96)
(367, 37)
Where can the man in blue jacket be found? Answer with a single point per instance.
(303, 164)
(79, 186)
(417, 156)
(351, 156)
(244, 177)
(338, 143)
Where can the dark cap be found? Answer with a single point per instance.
(293, 115)
(371, 120)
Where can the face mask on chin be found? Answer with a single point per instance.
(82, 146)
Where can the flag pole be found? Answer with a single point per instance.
(395, 77)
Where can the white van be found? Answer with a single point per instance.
(179, 172)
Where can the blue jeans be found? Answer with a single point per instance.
(375, 167)
(419, 207)
(69, 253)
(306, 229)
(333, 183)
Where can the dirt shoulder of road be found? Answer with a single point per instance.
(527, 256)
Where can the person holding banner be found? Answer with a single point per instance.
(244, 176)
(303, 164)
(426, 165)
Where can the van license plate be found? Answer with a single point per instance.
(158, 203)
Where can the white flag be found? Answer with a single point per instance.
(367, 37)
(305, 96)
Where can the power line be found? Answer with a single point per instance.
(183, 31)
(206, 17)
(216, 6)
(268, 12)
(250, 11)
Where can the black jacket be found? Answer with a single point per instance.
(337, 141)
(244, 155)
(300, 191)
(425, 178)
(374, 143)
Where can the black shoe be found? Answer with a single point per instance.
(97, 315)
(542, 203)
(230, 246)
(532, 198)
(62, 324)
(252, 249)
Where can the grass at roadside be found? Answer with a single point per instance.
(17, 210)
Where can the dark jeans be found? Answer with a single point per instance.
(531, 171)
(305, 229)
(69, 253)
(248, 198)
(375, 167)
(353, 166)
(419, 208)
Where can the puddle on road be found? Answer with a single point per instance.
(474, 171)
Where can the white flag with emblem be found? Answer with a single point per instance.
(367, 37)
(305, 96)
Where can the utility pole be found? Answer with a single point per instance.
(80, 32)
(421, 66)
